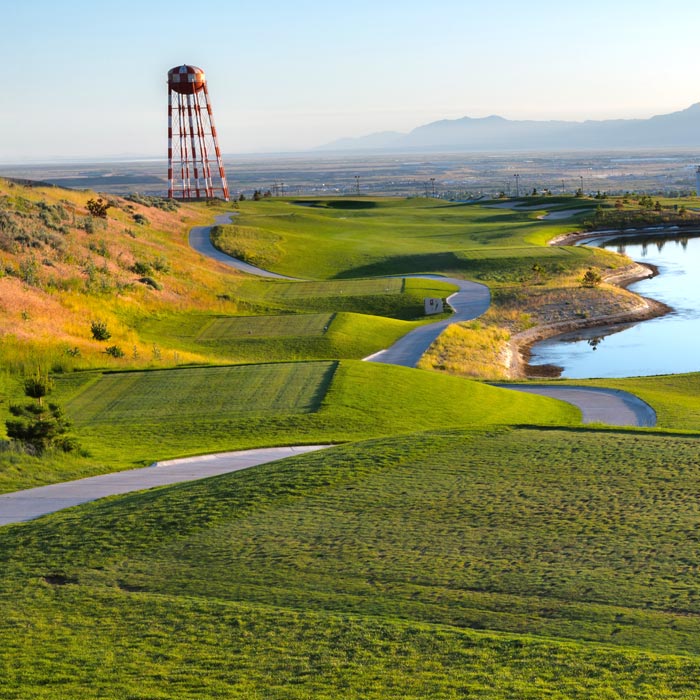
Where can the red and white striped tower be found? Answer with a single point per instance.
(193, 146)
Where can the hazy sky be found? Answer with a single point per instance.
(89, 78)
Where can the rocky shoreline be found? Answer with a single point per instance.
(520, 344)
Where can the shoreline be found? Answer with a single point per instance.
(520, 344)
(579, 236)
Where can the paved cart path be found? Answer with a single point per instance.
(31, 503)
(608, 406)
(598, 405)
(200, 240)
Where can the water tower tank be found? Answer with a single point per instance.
(195, 166)
(186, 80)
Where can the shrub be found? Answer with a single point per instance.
(39, 427)
(150, 282)
(114, 351)
(141, 268)
(160, 264)
(591, 278)
(99, 330)
(87, 224)
(98, 207)
(141, 220)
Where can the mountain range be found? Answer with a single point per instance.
(676, 130)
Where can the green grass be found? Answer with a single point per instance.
(228, 328)
(395, 297)
(390, 236)
(208, 393)
(498, 563)
(131, 418)
(274, 338)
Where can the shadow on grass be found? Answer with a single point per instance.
(406, 265)
(446, 263)
(323, 386)
(336, 204)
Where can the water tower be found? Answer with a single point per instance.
(194, 156)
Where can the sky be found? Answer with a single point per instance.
(88, 79)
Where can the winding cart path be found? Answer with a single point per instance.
(597, 405)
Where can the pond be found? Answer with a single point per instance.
(665, 345)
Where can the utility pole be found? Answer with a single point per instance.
(432, 180)
(517, 185)
(357, 185)
(426, 189)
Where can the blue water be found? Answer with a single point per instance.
(666, 345)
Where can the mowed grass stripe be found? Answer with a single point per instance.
(243, 327)
(366, 287)
(195, 393)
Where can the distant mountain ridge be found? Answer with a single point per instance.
(676, 130)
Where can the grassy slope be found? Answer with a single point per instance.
(56, 277)
(272, 338)
(139, 417)
(365, 571)
(393, 297)
(379, 237)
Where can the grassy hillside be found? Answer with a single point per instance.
(506, 552)
(132, 418)
(497, 563)
(61, 268)
(346, 238)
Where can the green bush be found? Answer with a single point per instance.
(114, 351)
(150, 282)
(99, 330)
(39, 427)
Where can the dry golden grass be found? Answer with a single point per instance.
(482, 348)
(54, 282)
(472, 349)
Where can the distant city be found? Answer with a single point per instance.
(456, 176)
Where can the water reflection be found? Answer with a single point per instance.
(595, 342)
(661, 346)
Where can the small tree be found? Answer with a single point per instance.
(38, 386)
(591, 278)
(39, 427)
(98, 207)
(36, 426)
